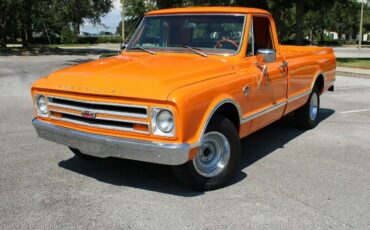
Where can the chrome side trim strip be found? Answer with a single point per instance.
(330, 83)
(197, 144)
(270, 109)
(299, 96)
(253, 116)
(263, 112)
(106, 146)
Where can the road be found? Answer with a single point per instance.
(290, 179)
(351, 52)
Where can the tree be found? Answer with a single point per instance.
(260, 4)
(75, 12)
(284, 18)
(8, 7)
(344, 18)
(367, 17)
(135, 11)
(162, 4)
(24, 17)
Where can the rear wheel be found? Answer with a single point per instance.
(307, 116)
(81, 155)
(217, 160)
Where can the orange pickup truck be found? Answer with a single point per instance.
(189, 85)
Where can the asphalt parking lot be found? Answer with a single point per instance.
(291, 179)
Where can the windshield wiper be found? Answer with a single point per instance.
(143, 49)
(196, 50)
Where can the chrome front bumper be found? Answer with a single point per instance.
(106, 146)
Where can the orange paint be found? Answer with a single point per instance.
(192, 86)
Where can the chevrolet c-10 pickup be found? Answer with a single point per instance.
(188, 86)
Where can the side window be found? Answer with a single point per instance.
(262, 33)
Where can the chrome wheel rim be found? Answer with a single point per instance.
(213, 155)
(314, 106)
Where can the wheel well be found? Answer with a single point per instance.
(229, 111)
(320, 83)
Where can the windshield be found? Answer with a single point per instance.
(210, 34)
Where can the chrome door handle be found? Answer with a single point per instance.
(263, 68)
(284, 65)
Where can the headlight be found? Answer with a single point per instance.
(41, 106)
(163, 122)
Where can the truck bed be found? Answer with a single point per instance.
(299, 51)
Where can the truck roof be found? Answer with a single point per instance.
(197, 10)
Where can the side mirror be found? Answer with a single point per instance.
(123, 47)
(266, 56)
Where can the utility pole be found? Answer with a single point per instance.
(361, 24)
(123, 20)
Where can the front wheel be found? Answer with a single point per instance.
(307, 116)
(217, 160)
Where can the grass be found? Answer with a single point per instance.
(361, 63)
(70, 45)
(105, 55)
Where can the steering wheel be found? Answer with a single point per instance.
(219, 43)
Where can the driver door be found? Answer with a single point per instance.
(271, 81)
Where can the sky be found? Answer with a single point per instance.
(109, 22)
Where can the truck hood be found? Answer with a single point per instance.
(137, 75)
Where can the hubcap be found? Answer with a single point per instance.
(213, 156)
(314, 106)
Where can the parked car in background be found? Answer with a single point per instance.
(105, 33)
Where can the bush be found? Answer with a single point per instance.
(330, 43)
(67, 36)
(44, 40)
(87, 40)
(293, 42)
(94, 40)
(112, 39)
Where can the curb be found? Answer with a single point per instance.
(351, 74)
(55, 51)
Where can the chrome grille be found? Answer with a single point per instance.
(99, 114)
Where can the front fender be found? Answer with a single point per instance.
(196, 104)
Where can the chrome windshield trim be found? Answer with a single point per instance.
(194, 14)
(185, 14)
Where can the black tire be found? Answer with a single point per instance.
(187, 172)
(81, 155)
(302, 115)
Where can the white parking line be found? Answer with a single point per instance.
(356, 111)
